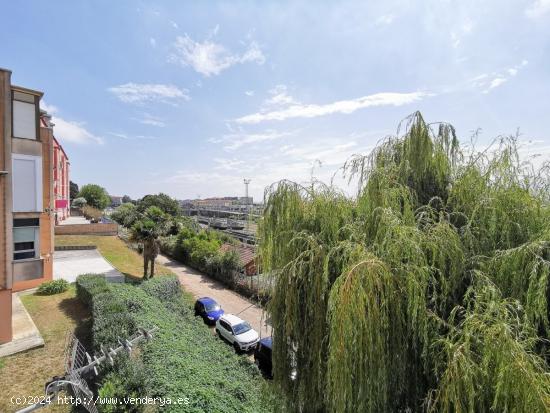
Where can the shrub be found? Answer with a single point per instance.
(111, 320)
(89, 285)
(166, 288)
(184, 359)
(91, 213)
(53, 287)
(127, 379)
(126, 215)
(79, 202)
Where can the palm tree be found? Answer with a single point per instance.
(146, 231)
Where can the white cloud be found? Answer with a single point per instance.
(385, 19)
(147, 92)
(538, 9)
(151, 120)
(298, 110)
(210, 58)
(249, 92)
(460, 32)
(153, 42)
(279, 97)
(239, 138)
(229, 164)
(497, 79)
(174, 24)
(70, 131)
(132, 137)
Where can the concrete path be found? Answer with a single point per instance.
(74, 220)
(201, 285)
(70, 264)
(25, 333)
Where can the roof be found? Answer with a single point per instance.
(27, 90)
(246, 254)
(232, 319)
(207, 300)
(267, 342)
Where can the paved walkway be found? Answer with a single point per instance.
(25, 333)
(201, 285)
(74, 220)
(70, 264)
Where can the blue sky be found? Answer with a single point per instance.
(189, 98)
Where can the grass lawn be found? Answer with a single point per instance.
(24, 374)
(124, 259)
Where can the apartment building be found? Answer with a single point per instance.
(26, 195)
(61, 184)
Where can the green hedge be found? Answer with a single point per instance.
(184, 359)
(88, 285)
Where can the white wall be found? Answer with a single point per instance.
(27, 183)
(24, 120)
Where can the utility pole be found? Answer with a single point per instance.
(246, 182)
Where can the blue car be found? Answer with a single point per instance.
(262, 356)
(208, 309)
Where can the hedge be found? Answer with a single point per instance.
(184, 359)
(89, 285)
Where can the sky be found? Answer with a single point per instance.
(190, 98)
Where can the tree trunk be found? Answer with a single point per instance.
(145, 265)
(152, 267)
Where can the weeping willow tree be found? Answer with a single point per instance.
(427, 291)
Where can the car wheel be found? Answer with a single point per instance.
(236, 347)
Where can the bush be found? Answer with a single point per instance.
(126, 215)
(184, 359)
(53, 287)
(127, 379)
(91, 213)
(89, 285)
(166, 288)
(111, 320)
(79, 202)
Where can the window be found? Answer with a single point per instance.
(24, 116)
(26, 235)
(27, 183)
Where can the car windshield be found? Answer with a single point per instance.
(212, 307)
(241, 328)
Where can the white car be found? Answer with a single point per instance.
(238, 332)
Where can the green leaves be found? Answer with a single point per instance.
(415, 293)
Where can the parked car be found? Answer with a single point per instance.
(262, 356)
(208, 309)
(238, 332)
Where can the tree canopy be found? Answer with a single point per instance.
(162, 201)
(427, 291)
(95, 196)
(73, 190)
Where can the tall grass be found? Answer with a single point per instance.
(427, 291)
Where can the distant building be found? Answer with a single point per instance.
(116, 201)
(61, 182)
(26, 196)
(228, 201)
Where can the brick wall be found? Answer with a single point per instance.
(87, 229)
(5, 209)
